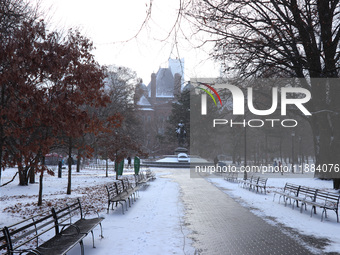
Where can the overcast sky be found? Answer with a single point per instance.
(111, 23)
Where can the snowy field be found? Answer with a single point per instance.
(154, 224)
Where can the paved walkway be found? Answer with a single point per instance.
(221, 226)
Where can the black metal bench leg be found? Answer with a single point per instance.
(122, 207)
(81, 247)
(311, 213)
(92, 239)
(101, 230)
(323, 211)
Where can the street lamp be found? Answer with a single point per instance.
(300, 154)
(293, 135)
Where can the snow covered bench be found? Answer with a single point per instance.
(246, 182)
(305, 194)
(24, 237)
(142, 179)
(325, 201)
(126, 190)
(231, 176)
(290, 190)
(310, 196)
(296, 193)
(114, 197)
(150, 175)
(255, 183)
(261, 183)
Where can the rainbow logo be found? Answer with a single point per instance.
(213, 90)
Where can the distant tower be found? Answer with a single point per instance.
(177, 85)
(177, 66)
(153, 85)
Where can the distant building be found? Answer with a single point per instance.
(154, 103)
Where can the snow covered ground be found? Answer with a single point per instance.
(154, 224)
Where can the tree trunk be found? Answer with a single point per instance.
(107, 167)
(327, 147)
(69, 167)
(32, 174)
(1, 152)
(40, 188)
(41, 183)
(78, 161)
(23, 178)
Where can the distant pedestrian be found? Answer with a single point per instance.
(129, 161)
(275, 168)
(280, 167)
(215, 161)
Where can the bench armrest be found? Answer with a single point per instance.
(69, 225)
(88, 213)
(24, 251)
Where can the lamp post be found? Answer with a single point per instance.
(245, 153)
(301, 155)
(293, 135)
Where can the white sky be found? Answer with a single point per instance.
(108, 23)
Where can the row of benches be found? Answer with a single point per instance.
(231, 176)
(297, 195)
(123, 191)
(253, 183)
(302, 196)
(67, 225)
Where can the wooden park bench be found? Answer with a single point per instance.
(249, 182)
(325, 201)
(261, 183)
(289, 190)
(246, 182)
(67, 225)
(142, 179)
(231, 176)
(125, 191)
(150, 175)
(305, 194)
(128, 189)
(114, 197)
(255, 183)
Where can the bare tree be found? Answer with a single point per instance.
(287, 38)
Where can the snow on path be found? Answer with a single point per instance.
(264, 206)
(154, 224)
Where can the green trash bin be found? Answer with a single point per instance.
(119, 167)
(136, 165)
